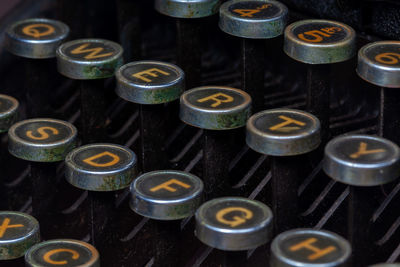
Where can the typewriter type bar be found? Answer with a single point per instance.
(363, 162)
(308, 247)
(8, 116)
(59, 252)
(189, 15)
(154, 86)
(90, 61)
(253, 21)
(234, 225)
(379, 64)
(102, 170)
(166, 196)
(217, 110)
(36, 40)
(43, 143)
(18, 232)
(130, 34)
(319, 44)
(287, 135)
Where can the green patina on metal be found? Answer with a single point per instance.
(161, 96)
(17, 250)
(6, 121)
(113, 182)
(102, 71)
(231, 121)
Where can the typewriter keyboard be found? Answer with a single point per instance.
(200, 133)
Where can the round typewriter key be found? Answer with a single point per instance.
(101, 167)
(216, 110)
(215, 107)
(187, 9)
(166, 195)
(62, 252)
(8, 112)
(41, 140)
(149, 82)
(36, 38)
(256, 19)
(362, 160)
(307, 247)
(378, 64)
(283, 132)
(90, 60)
(319, 41)
(18, 232)
(234, 223)
(287, 135)
(251, 20)
(86, 59)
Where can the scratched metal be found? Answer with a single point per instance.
(28, 46)
(160, 89)
(338, 50)
(250, 233)
(283, 256)
(163, 204)
(268, 26)
(274, 143)
(366, 170)
(232, 116)
(88, 256)
(110, 178)
(385, 73)
(16, 241)
(8, 112)
(79, 68)
(42, 151)
(188, 8)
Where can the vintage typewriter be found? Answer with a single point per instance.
(200, 133)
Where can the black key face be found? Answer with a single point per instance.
(18, 232)
(311, 247)
(234, 223)
(39, 29)
(168, 185)
(7, 104)
(235, 214)
(387, 54)
(362, 160)
(44, 132)
(286, 123)
(101, 167)
(63, 252)
(215, 99)
(89, 50)
(255, 10)
(321, 33)
(166, 194)
(215, 108)
(102, 158)
(14, 226)
(283, 132)
(152, 74)
(364, 150)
